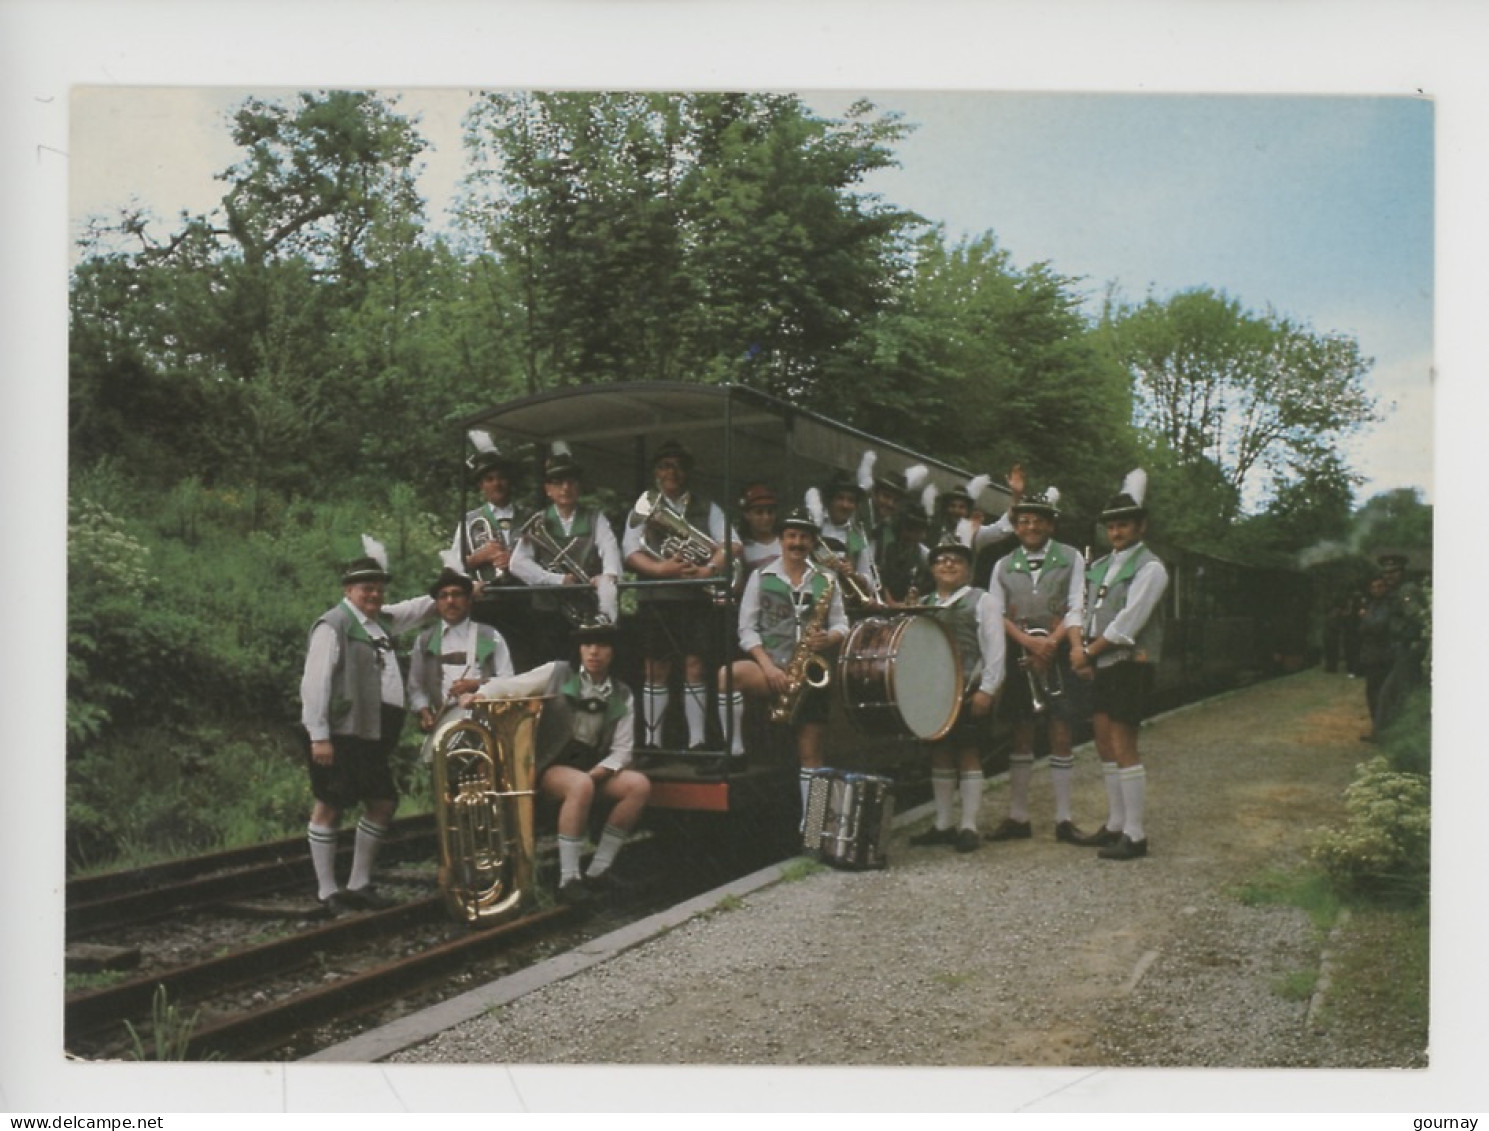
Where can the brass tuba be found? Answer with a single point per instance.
(483, 762)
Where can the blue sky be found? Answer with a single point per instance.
(1320, 207)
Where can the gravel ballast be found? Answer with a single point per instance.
(1024, 953)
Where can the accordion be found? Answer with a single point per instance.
(847, 818)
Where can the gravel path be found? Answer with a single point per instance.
(1025, 953)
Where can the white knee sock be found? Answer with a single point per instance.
(612, 840)
(971, 787)
(569, 849)
(370, 838)
(1134, 781)
(695, 709)
(1116, 808)
(323, 858)
(943, 790)
(654, 701)
(1020, 774)
(1062, 776)
(732, 710)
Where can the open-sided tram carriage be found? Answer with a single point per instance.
(1219, 634)
(738, 436)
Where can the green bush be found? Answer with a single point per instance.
(188, 611)
(1384, 848)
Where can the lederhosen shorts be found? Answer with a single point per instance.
(360, 769)
(1120, 691)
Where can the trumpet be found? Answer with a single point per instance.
(857, 591)
(1042, 688)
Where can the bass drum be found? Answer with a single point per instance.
(901, 676)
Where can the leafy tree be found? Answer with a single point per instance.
(1247, 392)
(679, 237)
(984, 364)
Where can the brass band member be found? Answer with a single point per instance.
(843, 532)
(455, 656)
(351, 697)
(781, 608)
(904, 563)
(568, 538)
(483, 545)
(587, 736)
(760, 536)
(1043, 587)
(975, 618)
(1124, 633)
(675, 621)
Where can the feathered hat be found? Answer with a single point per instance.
(486, 456)
(1046, 504)
(560, 463)
(371, 566)
(1128, 502)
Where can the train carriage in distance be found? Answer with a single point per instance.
(737, 436)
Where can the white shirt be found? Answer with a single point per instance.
(1143, 596)
(324, 653)
(749, 605)
(526, 568)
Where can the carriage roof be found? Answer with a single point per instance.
(737, 435)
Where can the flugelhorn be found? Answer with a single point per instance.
(1042, 688)
(482, 760)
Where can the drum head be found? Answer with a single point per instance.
(927, 678)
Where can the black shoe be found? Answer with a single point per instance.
(367, 899)
(1067, 832)
(1009, 829)
(968, 840)
(1125, 849)
(933, 837)
(335, 904)
(1101, 838)
(573, 893)
(602, 885)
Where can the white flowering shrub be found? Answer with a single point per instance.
(1384, 847)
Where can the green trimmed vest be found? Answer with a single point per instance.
(579, 544)
(1037, 598)
(778, 615)
(697, 512)
(431, 643)
(596, 727)
(1110, 594)
(356, 682)
(960, 618)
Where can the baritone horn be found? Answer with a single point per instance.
(483, 760)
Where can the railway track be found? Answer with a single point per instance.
(284, 997)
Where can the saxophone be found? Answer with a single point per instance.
(805, 668)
